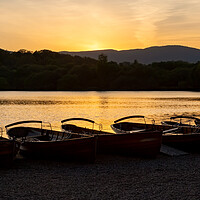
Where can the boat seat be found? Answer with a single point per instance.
(139, 130)
(32, 139)
(54, 138)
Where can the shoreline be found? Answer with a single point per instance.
(111, 177)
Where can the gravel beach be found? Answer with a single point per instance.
(111, 177)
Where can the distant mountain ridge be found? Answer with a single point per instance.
(145, 56)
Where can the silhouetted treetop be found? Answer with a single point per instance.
(48, 70)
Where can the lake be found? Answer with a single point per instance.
(102, 107)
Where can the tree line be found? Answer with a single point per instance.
(51, 71)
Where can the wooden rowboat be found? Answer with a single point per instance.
(184, 137)
(189, 121)
(145, 143)
(184, 134)
(47, 143)
(129, 127)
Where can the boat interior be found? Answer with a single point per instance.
(166, 129)
(181, 120)
(72, 128)
(25, 133)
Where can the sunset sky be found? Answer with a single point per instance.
(76, 25)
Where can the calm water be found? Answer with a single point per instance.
(102, 107)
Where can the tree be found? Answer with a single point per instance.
(103, 59)
(3, 83)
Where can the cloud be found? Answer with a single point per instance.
(181, 22)
(116, 24)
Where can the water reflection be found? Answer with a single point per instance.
(102, 107)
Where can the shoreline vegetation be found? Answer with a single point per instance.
(51, 71)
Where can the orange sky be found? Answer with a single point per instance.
(76, 25)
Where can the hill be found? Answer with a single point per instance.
(145, 56)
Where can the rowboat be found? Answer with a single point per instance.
(120, 126)
(184, 136)
(190, 121)
(178, 135)
(48, 143)
(8, 150)
(146, 143)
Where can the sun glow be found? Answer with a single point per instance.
(93, 46)
(92, 25)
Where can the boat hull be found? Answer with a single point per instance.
(182, 137)
(8, 150)
(185, 138)
(145, 144)
(52, 144)
(186, 142)
(83, 149)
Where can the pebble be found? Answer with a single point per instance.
(111, 177)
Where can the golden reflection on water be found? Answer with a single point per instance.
(102, 107)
